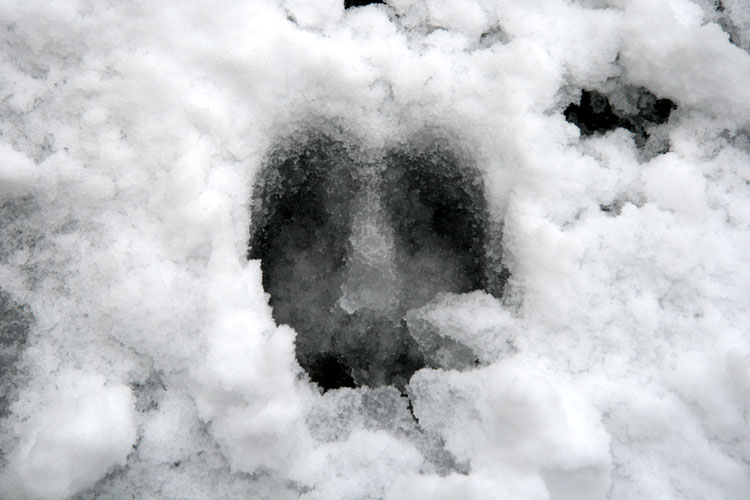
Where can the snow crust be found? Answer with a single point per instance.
(138, 344)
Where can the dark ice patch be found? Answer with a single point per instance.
(348, 244)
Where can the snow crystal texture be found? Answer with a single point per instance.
(412, 249)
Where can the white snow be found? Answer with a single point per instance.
(615, 366)
(82, 429)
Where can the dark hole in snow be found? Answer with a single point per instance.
(348, 244)
(596, 114)
(359, 3)
(593, 114)
(330, 373)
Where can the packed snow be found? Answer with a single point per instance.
(587, 338)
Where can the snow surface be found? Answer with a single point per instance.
(139, 349)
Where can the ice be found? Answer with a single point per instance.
(522, 309)
(350, 239)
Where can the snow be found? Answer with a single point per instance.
(139, 346)
(83, 429)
